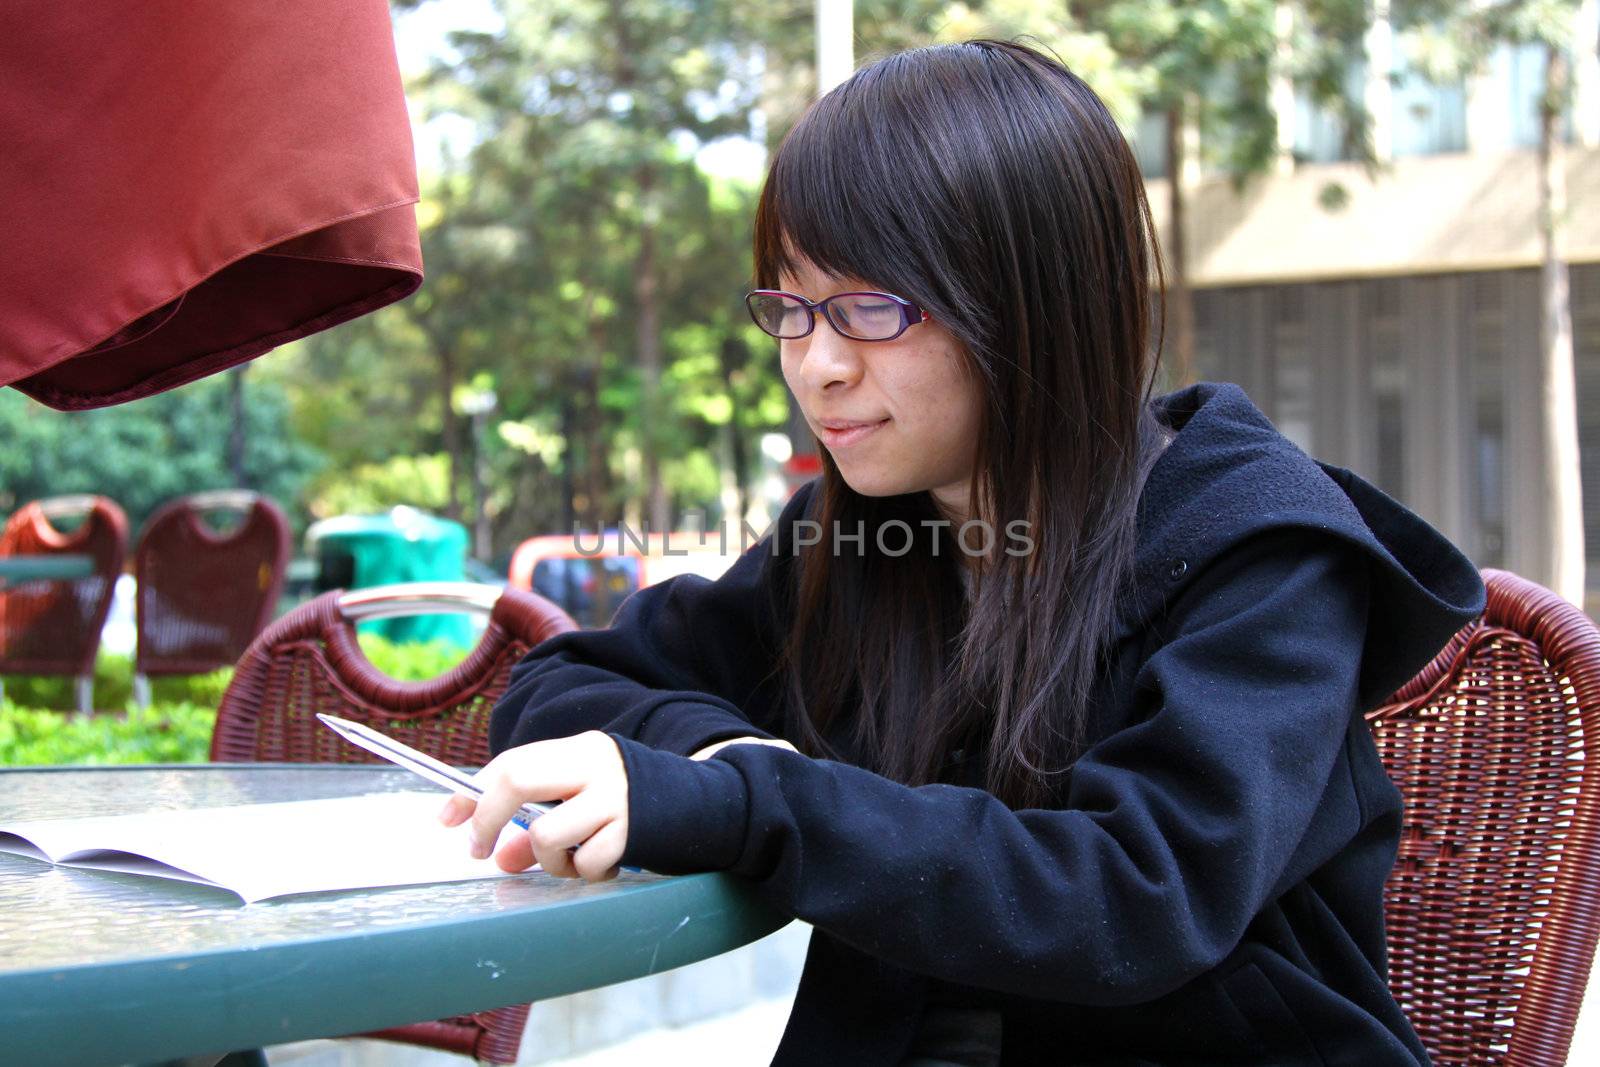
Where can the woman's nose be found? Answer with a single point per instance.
(829, 358)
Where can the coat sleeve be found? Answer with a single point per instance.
(1173, 832)
(684, 663)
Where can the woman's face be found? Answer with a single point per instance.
(915, 389)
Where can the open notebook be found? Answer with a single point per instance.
(260, 851)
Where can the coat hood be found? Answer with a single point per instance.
(1230, 473)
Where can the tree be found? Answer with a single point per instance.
(1216, 65)
(584, 104)
(1457, 41)
(143, 453)
(1210, 64)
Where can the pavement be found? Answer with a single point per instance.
(742, 1038)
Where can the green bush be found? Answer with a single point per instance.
(113, 677)
(113, 687)
(161, 733)
(412, 661)
(165, 445)
(38, 727)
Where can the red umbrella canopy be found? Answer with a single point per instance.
(188, 185)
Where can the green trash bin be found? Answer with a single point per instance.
(404, 545)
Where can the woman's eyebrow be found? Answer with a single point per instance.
(835, 286)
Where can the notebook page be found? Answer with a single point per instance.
(261, 851)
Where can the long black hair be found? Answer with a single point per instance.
(987, 183)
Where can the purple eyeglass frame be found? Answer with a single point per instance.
(910, 314)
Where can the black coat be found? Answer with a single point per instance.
(1210, 888)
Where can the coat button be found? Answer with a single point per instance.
(1178, 569)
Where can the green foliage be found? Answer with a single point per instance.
(698, 475)
(163, 733)
(410, 661)
(113, 687)
(146, 452)
(1451, 39)
(579, 260)
(36, 729)
(371, 488)
(113, 677)
(582, 262)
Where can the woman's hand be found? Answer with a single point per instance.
(713, 749)
(586, 773)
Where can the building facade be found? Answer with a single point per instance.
(1394, 328)
(1397, 332)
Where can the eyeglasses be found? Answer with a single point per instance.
(859, 316)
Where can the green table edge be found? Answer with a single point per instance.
(494, 960)
(45, 566)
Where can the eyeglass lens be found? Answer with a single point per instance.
(862, 316)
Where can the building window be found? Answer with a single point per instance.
(1150, 144)
(1486, 336)
(1428, 119)
(1519, 70)
(1489, 471)
(1386, 357)
(1290, 365)
(1585, 295)
(1320, 134)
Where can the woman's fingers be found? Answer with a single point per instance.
(584, 772)
(517, 855)
(552, 835)
(543, 771)
(596, 860)
(457, 810)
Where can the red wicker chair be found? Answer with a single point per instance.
(309, 662)
(1493, 908)
(54, 627)
(203, 596)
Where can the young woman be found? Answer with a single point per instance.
(1043, 703)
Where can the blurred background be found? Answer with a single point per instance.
(1358, 185)
(1376, 217)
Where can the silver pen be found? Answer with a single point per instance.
(422, 764)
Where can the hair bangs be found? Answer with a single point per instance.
(835, 197)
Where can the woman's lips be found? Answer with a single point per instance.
(844, 438)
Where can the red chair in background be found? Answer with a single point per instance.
(1493, 907)
(204, 595)
(53, 627)
(309, 661)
